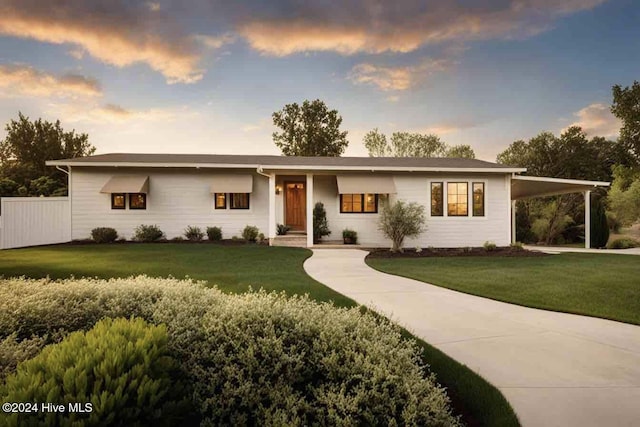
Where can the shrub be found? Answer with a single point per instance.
(320, 225)
(517, 246)
(13, 351)
(261, 238)
(401, 220)
(350, 237)
(214, 234)
(250, 233)
(613, 222)
(599, 225)
(193, 233)
(318, 364)
(624, 243)
(177, 239)
(148, 233)
(104, 235)
(282, 229)
(120, 366)
(489, 246)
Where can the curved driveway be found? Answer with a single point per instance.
(555, 369)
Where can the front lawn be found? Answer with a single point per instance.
(599, 285)
(234, 269)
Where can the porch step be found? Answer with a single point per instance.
(291, 240)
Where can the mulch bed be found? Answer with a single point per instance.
(225, 242)
(454, 252)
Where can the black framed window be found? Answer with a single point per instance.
(437, 201)
(220, 200)
(457, 199)
(478, 199)
(118, 201)
(359, 203)
(137, 201)
(239, 200)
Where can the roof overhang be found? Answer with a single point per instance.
(525, 187)
(285, 167)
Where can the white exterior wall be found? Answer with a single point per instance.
(441, 231)
(31, 221)
(177, 198)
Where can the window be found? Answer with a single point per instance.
(117, 201)
(478, 199)
(437, 207)
(137, 201)
(358, 203)
(457, 198)
(239, 200)
(220, 200)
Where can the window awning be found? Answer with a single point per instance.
(232, 184)
(127, 184)
(373, 184)
(524, 187)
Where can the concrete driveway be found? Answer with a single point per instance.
(555, 369)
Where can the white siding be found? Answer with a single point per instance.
(177, 198)
(441, 231)
(31, 221)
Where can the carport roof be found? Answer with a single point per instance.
(525, 187)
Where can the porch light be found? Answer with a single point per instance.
(278, 190)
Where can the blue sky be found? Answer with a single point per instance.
(205, 76)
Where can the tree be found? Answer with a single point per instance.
(309, 130)
(376, 144)
(320, 225)
(624, 196)
(406, 144)
(626, 106)
(401, 220)
(599, 227)
(26, 148)
(461, 151)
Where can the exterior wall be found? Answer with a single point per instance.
(441, 231)
(177, 198)
(31, 221)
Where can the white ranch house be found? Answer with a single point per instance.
(467, 201)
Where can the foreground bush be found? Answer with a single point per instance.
(254, 358)
(214, 233)
(104, 235)
(193, 233)
(250, 233)
(148, 233)
(624, 243)
(121, 367)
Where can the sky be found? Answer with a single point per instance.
(205, 76)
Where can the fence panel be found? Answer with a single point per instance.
(31, 221)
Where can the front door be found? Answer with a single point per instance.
(295, 206)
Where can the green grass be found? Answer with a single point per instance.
(235, 269)
(598, 285)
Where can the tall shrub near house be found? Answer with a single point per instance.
(599, 224)
(401, 220)
(320, 225)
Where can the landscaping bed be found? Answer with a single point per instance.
(455, 252)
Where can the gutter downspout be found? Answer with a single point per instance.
(70, 202)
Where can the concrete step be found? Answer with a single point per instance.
(296, 241)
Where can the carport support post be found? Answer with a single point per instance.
(587, 219)
(309, 210)
(272, 207)
(513, 221)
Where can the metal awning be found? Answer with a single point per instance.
(372, 184)
(524, 187)
(232, 184)
(127, 184)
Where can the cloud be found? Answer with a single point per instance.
(597, 120)
(22, 80)
(399, 26)
(387, 78)
(115, 114)
(119, 33)
(214, 42)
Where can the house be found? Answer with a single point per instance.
(467, 201)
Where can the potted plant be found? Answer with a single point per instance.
(350, 237)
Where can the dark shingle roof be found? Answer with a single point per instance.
(284, 161)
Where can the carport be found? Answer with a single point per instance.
(527, 187)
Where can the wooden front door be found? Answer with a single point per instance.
(295, 206)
